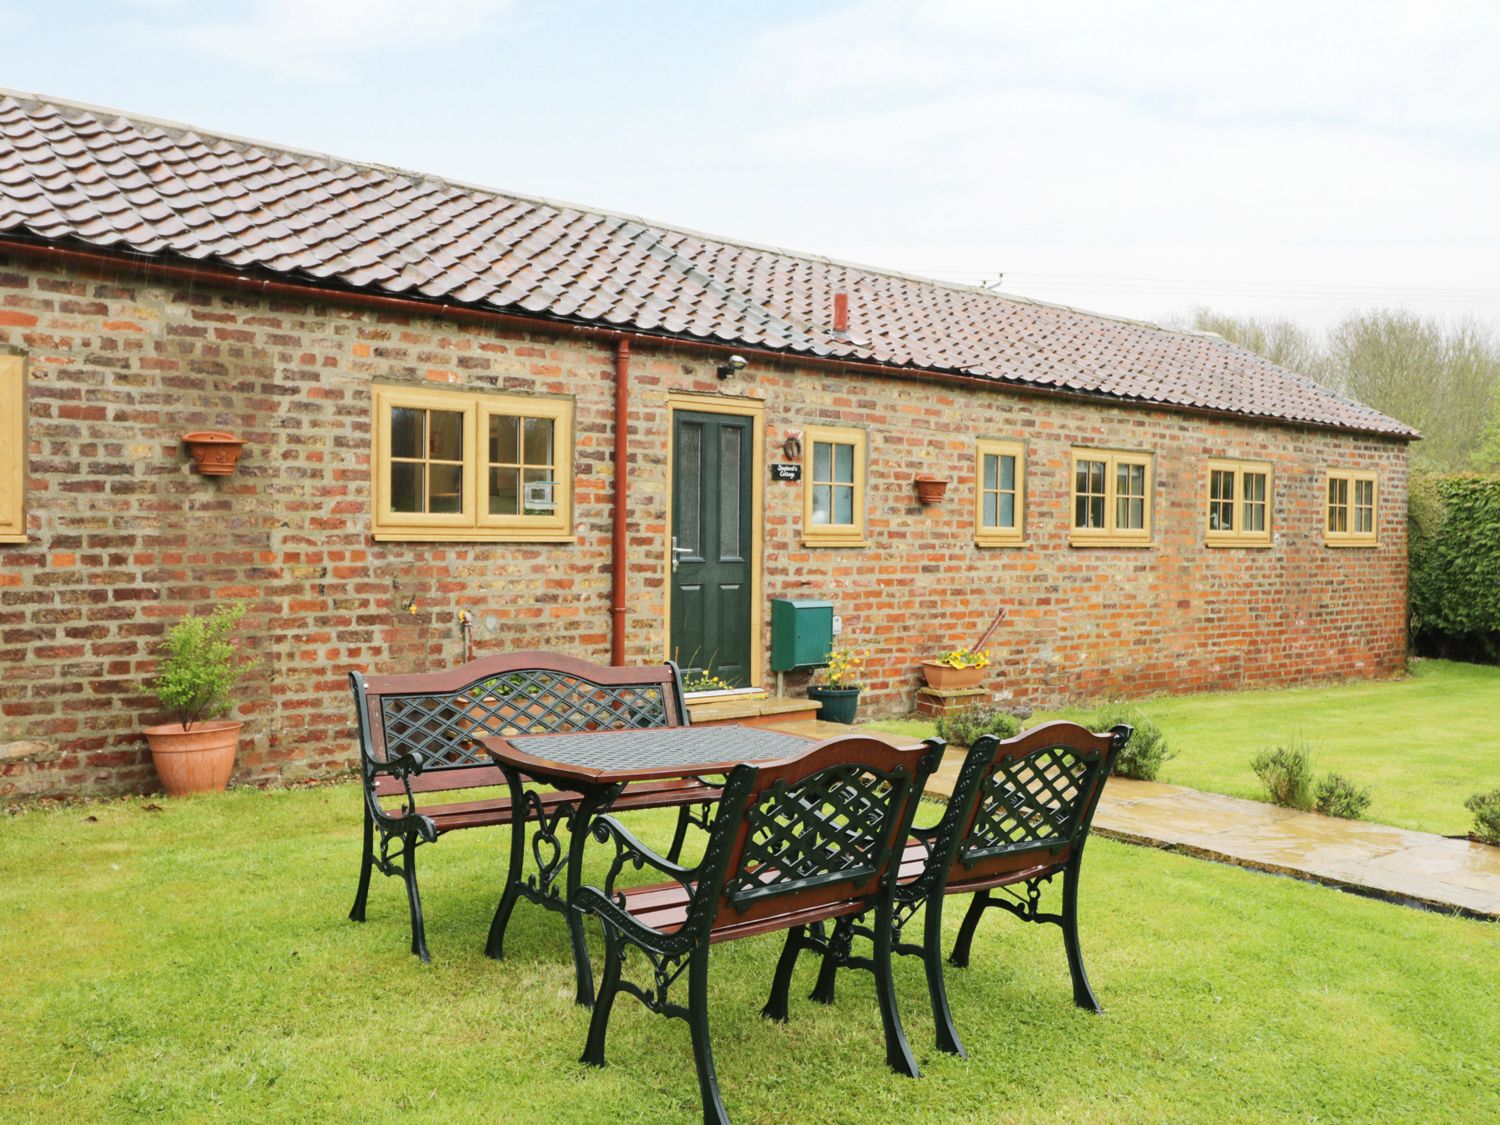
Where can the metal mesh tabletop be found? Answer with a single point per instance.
(661, 749)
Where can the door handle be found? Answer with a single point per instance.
(678, 552)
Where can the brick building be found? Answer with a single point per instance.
(428, 377)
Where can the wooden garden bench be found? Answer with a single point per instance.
(1019, 814)
(792, 845)
(419, 736)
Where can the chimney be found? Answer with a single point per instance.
(841, 313)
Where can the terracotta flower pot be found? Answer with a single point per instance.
(214, 453)
(945, 678)
(196, 760)
(930, 489)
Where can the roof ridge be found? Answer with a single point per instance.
(567, 205)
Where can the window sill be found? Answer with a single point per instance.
(1253, 544)
(15, 539)
(988, 542)
(1076, 540)
(1340, 543)
(835, 541)
(440, 535)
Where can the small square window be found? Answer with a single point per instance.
(1111, 499)
(1350, 515)
(1239, 504)
(833, 491)
(1000, 493)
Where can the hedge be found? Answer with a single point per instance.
(1455, 565)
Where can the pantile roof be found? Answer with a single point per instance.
(79, 174)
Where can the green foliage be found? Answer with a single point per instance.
(199, 669)
(1147, 749)
(702, 681)
(1486, 810)
(1454, 587)
(1286, 774)
(964, 728)
(1338, 796)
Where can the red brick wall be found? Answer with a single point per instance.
(126, 538)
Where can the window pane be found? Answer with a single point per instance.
(445, 435)
(822, 461)
(1096, 512)
(505, 492)
(1081, 511)
(536, 501)
(445, 488)
(822, 504)
(729, 492)
(991, 471)
(991, 517)
(690, 460)
(1255, 486)
(1220, 484)
(505, 443)
(1255, 516)
(1007, 509)
(1130, 480)
(539, 441)
(1008, 473)
(1221, 516)
(843, 464)
(406, 433)
(843, 503)
(407, 486)
(1081, 478)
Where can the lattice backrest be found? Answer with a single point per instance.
(1031, 798)
(434, 721)
(820, 828)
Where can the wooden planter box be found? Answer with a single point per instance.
(944, 678)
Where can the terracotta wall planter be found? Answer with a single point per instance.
(945, 678)
(930, 489)
(197, 760)
(215, 454)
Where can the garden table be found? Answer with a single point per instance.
(597, 765)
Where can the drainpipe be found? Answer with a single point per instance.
(617, 548)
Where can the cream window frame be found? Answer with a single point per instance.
(1014, 536)
(1238, 537)
(834, 534)
(1351, 538)
(472, 523)
(1110, 535)
(13, 449)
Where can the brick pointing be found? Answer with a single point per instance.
(126, 538)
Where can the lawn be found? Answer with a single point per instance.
(1422, 744)
(190, 960)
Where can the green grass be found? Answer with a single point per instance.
(195, 963)
(1423, 743)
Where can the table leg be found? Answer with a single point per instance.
(494, 946)
(594, 801)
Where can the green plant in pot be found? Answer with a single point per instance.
(837, 686)
(195, 752)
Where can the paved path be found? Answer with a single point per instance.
(1375, 858)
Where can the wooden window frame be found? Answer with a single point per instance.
(1352, 538)
(1014, 536)
(1109, 535)
(840, 534)
(1239, 537)
(473, 523)
(13, 448)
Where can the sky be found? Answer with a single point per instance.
(1272, 159)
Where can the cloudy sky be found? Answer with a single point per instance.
(1289, 158)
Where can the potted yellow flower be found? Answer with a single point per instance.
(961, 668)
(838, 685)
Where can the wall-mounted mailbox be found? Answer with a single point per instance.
(801, 634)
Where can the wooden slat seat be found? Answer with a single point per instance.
(420, 736)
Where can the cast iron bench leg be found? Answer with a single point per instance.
(960, 957)
(714, 1112)
(1083, 994)
(366, 862)
(937, 989)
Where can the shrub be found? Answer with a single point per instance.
(1286, 773)
(1338, 796)
(966, 727)
(1455, 565)
(1147, 749)
(1486, 810)
(198, 671)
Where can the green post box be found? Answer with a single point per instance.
(801, 634)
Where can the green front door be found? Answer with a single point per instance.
(712, 461)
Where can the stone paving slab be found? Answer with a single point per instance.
(1377, 859)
